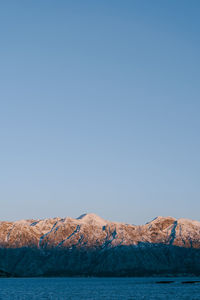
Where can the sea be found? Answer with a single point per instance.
(100, 288)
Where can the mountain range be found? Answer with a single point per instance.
(92, 246)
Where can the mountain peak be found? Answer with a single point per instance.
(92, 218)
(161, 218)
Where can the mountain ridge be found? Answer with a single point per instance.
(56, 232)
(92, 246)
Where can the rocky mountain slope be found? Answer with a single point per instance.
(90, 245)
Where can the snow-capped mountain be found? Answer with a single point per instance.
(90, 245)
(91, 231)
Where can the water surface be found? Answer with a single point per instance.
(97, 288)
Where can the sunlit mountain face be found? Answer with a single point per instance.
(90, 231)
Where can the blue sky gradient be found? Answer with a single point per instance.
(100, 109)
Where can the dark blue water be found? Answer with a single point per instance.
(97, 288)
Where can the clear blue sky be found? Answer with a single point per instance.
(100, 109)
